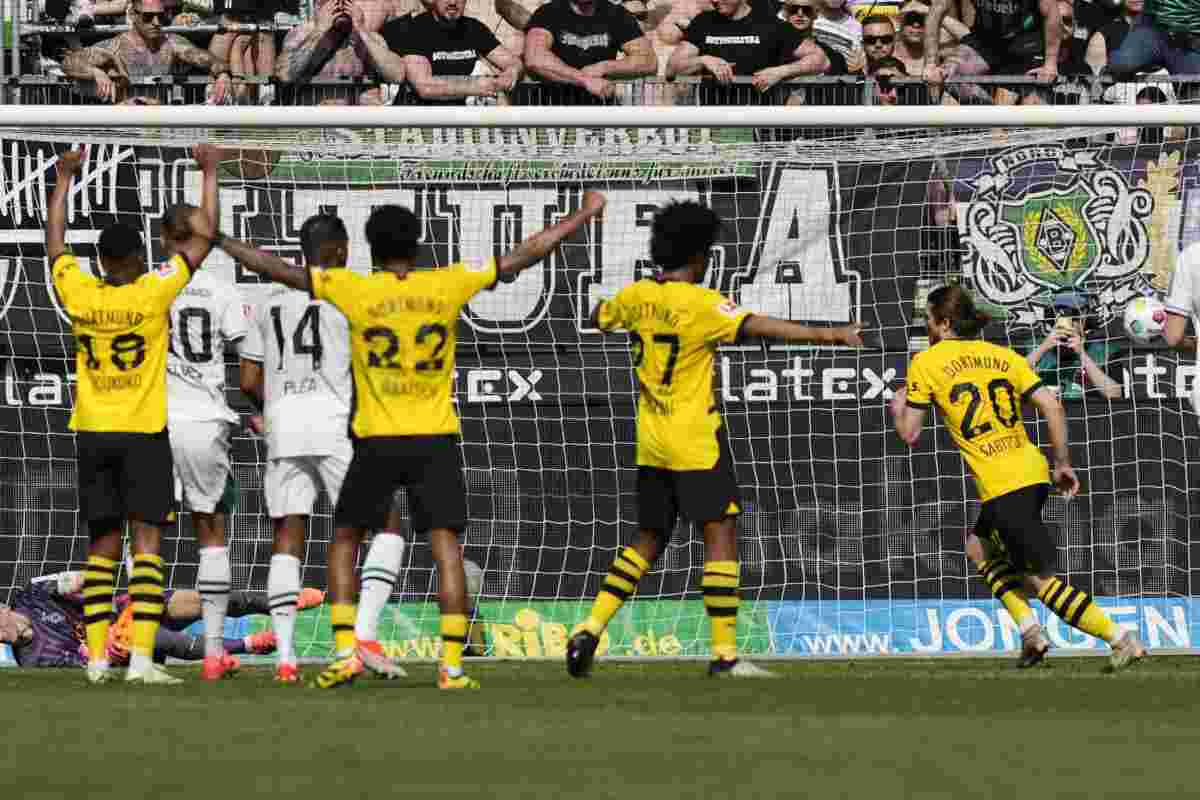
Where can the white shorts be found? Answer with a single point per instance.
(291, 484)
(201, 454)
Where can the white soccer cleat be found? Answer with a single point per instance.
(738, 669)
(99, 673)
(373, 658)
(153, 675)
(1126, 651)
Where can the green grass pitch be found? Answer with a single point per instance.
(839, 729)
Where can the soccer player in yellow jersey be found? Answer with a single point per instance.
(403, 323)
(684, 464)
(978, 387)
(119, 322)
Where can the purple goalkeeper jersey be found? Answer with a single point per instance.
(58, 632)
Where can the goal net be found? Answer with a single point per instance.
(851, 543)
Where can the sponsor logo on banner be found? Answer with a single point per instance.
(881, 627)
(1048, 218)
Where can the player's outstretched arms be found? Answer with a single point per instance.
(202, 222)
(542, 243)
(263, 263)
(772, 328)
(1056, 424)
(67, 166)
(908, 419)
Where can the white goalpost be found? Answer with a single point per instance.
(851, 544)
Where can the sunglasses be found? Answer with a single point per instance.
(913, 18)
(149, 17)
(870, 40)
(807, 11)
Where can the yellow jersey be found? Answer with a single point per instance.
(675, 329)
(121, 337)
(978, 387)
(403, 336)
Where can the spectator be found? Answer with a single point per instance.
(250, 54)
(1065, 360)
(143, 51)
(577, 43)
(800, 14)
(883, 72)
(1167, 34)
(910, 46)
(443, 43)
(331, 46)
(1108, 39)
(731, 42)
(836, 27)
(648, 18)
(878, 41)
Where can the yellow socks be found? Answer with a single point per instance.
(98, 578)
(454, 640)
(146, 597)
(341, 618)
(1076, 608)
(619, 585)
(1006, 585)
(720, 590)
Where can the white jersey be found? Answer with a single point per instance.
(304, 348)
(1184, 297)
(206, 316)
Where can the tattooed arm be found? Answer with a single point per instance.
(189, 53)
(95, 62)
(305, 48)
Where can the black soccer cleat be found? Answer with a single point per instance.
(1034, 646)
(581, 652)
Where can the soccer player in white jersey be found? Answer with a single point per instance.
(296, 367)
(206, 317)
(1183, 303)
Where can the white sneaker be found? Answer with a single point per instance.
(374, 659)
(738, 669)
(99, 673)
(1126, 651)
(152, 675)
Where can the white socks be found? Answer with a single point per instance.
(283, 592)
(213, 582)
(379, 574)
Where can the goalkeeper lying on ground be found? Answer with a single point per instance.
(44, 624)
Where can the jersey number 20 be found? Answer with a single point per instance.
(969, 429)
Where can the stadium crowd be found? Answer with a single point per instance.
(597, 51)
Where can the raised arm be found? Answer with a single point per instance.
(196, 247)
(513, 13)
(772, 328)
(66, 167)
(263, 263)
(1056, 425)
(933, 24)
(908, 419)
(307, 47)
(543, 243)
(388, 63)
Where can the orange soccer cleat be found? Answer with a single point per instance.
(309, 598)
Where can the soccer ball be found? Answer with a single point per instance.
(1144, 319)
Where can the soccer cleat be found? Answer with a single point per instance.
(461, 682)
(724, 668)
(99, 673)
(261, 643)
(217, 667)
(1034, 646)
(1126, 652)
(153, 675)
(309, 598)
(340, 673)
(287, 673)
(373, 658)
(581, 652)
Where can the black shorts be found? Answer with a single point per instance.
(125, 476)
(700, 495)
(430, 468)
(1014, 55)
(1013, 522)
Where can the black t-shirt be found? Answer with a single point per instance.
(1115, 33)
(750, 44)
(579, 40)
(452, 49)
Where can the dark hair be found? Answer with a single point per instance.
(955, 305)
(681, 230)
(393, 232)
(316, 231)
(174, 221)
(878, 19)
(120, 241)
(889, 62)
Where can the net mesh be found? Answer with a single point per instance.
(850, 542)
